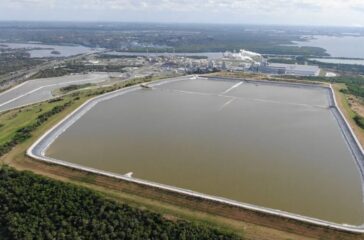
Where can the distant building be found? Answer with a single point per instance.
(250, 61)
(290, 69)
(223, 66)
(211, 64)
(244, 55)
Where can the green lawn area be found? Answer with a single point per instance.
(13, 120)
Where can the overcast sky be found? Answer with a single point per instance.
(288, 12)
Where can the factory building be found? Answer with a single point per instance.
(250, 61)
(290, 69)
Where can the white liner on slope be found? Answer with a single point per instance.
(37, 151)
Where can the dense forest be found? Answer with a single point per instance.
(359, 120)
(14, 60)
(34, 207)
(356, 89)
(141, 37)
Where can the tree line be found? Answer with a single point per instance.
(34, 207)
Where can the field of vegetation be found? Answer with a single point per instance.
(70, 68)
(354, 84)
(136, 37)
(13, 60)
(33, 207)
(74, 87)
(16, 127)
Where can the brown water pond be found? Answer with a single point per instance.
(269, 145)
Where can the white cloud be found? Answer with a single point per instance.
(185, 5)
(276, 11)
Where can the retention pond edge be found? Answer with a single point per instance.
(38, 149)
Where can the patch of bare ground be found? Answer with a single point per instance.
(356, 104)
(346, 104)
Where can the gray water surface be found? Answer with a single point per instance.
(273, 146)
(343, 46)
(43, 50)
(209, 55)
(340, 61)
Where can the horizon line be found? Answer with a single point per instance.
(179, 23)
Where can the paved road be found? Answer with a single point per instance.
(12, 78)
(41, 89)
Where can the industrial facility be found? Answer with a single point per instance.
(290, 69)
(250, 61)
